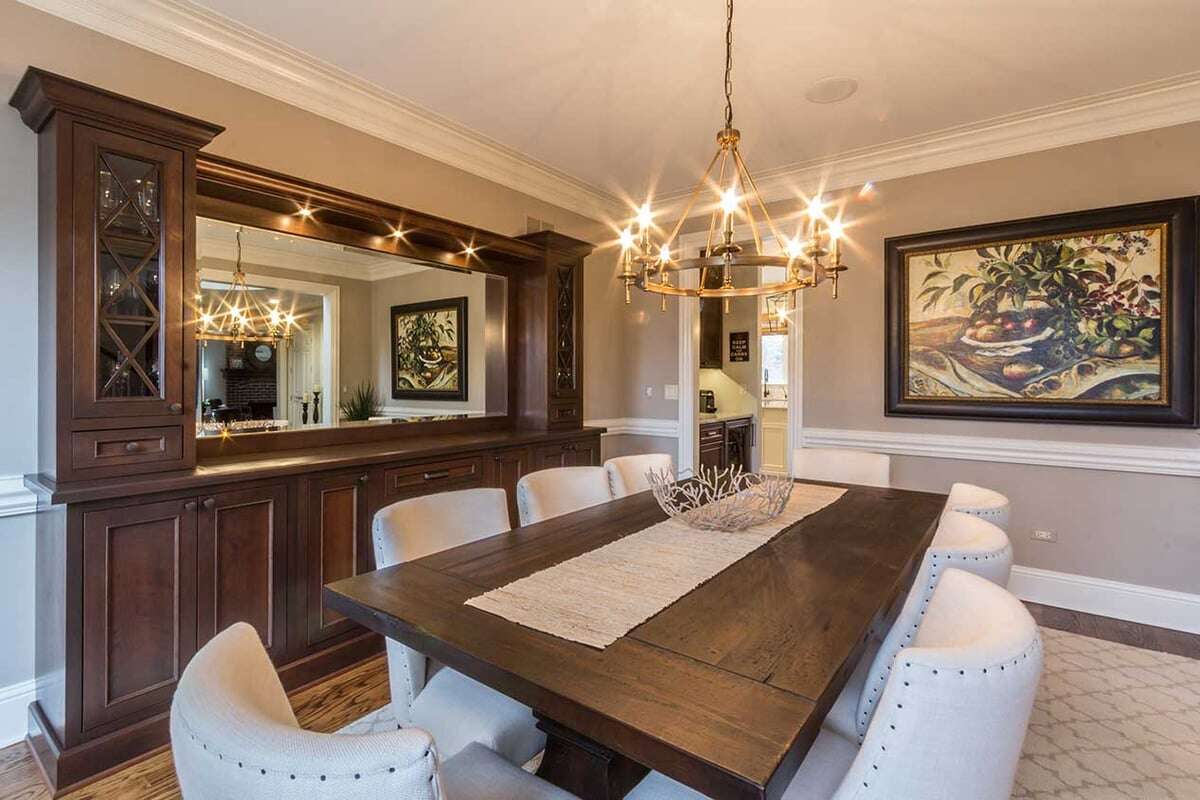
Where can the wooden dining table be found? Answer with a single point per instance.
(724, 690)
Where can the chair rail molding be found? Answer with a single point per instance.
(15, 499)
(636, 426)
(219, 46)
(1147, 605)
(1183, 461)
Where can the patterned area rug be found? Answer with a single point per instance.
(1110, 722)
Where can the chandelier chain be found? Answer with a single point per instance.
(728, 63)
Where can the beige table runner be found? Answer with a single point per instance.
(598, 597)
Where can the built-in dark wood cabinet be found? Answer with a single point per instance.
(149, 544)
(712, 324)
(727, 442)
(241, 563)
(712, 445)
(337, 539)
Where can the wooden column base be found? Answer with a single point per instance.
(585, 768)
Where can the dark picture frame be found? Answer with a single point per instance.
(402, 388)
(1175, 328)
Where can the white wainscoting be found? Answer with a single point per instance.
(636, 426)
(14, 710)
(15, 499)
(1162, 608)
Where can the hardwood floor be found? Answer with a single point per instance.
(337, 702)
(325, 707)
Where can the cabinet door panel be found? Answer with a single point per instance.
(129, 277)
(337, 533)
(139, 588)
(504, 469)
(242, 541)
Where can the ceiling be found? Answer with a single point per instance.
(619, 92)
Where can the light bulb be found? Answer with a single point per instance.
(836, 230)
(644, 217)
(470, 250)
(305, 212)
(816, 207)
(795, 247)
(730, 200)
(626, 239)
(664, 254)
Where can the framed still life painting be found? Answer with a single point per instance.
(429, 350)
(1081, 317)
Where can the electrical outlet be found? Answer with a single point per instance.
(1045, 536)
(649, 390)
(671, 391)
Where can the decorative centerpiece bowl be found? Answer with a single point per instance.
(721, 500)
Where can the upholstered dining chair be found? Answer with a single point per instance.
(553, 492)
(842, 466)
(455, 709)
(627, 474)
(234, 735)
(968, 543)
(952, 714)
(980, 502)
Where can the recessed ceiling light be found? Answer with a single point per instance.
(831, 90)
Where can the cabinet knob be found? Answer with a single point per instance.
(132, 447)
(209, 503)
(190, 505)
(176, 408)
(362, 478)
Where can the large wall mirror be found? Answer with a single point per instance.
(371, 338)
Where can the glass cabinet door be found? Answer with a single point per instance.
(132, 314)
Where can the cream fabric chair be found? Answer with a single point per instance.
(553, 492)
(627, 474)
(454, 708)
(842, 466)
(963, 541)
(980, 502)
(952, 716)
(233, 736)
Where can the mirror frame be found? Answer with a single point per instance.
(242, 194)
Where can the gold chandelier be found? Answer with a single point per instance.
(649, 266)
(239, 316)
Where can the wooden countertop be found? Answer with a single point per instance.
(230, 469)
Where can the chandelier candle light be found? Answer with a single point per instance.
(648, 265)
(240, 316)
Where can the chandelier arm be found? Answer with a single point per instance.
(758, 197)
(692, 200)
(712, 222)
(738, 165)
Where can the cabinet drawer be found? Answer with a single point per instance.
(564, 413)
(712, 433)
(118, 448)
(434, 476)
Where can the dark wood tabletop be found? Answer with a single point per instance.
(724, 690)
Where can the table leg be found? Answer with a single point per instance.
(583, 767)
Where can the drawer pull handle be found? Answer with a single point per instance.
(362, 479)
(437, 476)
(132, 447)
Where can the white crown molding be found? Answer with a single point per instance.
(636, 426)
(1182, 461)
(1133, 109)
(15, 499)
(1147, 605)
(217, 45)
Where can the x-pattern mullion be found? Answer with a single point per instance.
(128, 280)
(127, 358)
(129, 199)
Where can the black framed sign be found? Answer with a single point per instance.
(1083, 317)
(429, 350)
(739, 345)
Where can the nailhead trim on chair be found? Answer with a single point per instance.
(1033, 647)
(428, 755)
(928, 595)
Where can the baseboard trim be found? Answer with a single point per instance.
(637, 426)
(14, 710)
(1183, 461)
(1146, 605)
(15, 499)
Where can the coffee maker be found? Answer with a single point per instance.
(708, 401)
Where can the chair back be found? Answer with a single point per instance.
(410, 529)
(552, 492)
(979, 501)
(842, 466)
(627, 474)
(961, 541)
(233, 734)
(956, 703)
